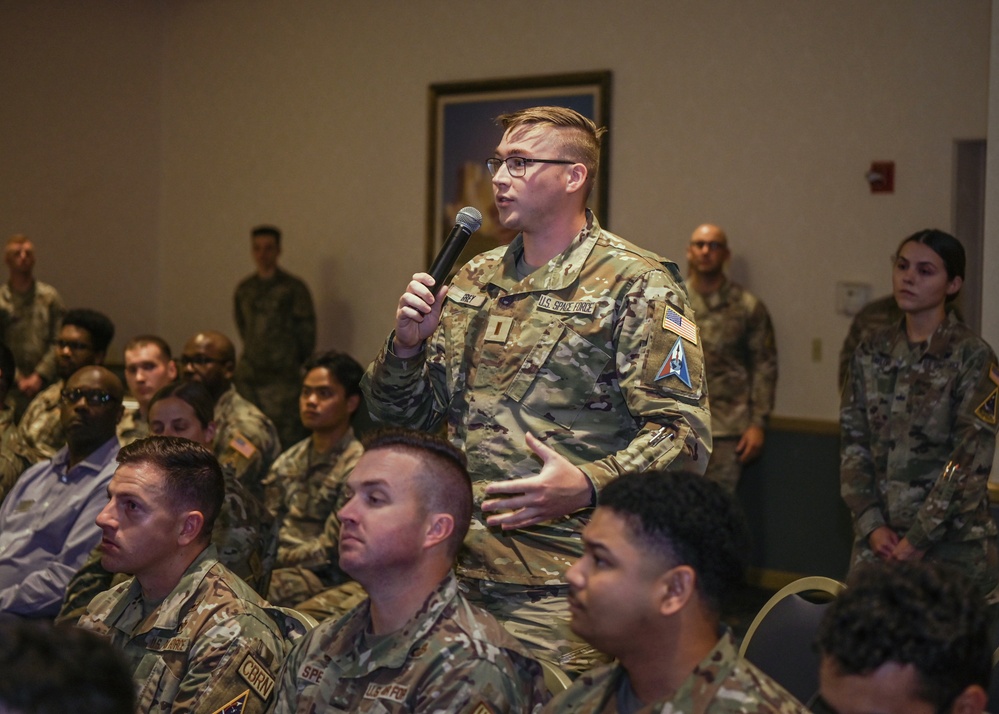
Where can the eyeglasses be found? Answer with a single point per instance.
(200, 360)
(72, 345)
(517, 165)
(709, 244)
(94, 397)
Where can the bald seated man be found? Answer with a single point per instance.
(245, 438)
(47, 526)
(740, 356)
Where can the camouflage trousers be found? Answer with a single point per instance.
(978, 559)
(290, 586)
(333, 603)
(539, 618)
(724, 467)
(278, 399)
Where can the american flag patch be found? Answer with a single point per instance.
(235, 706)
(240, 444)
(675, 322)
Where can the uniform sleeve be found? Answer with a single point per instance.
(856, 467)
(304, 317)
(963, 484)
(660, 367)
(237, 311)
(407, 391)
(762, 365)
(236, 660)
(89, 581)
(478, 685)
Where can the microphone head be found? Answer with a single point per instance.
(469, 218)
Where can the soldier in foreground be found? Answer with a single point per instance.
(416, 645)
(196, 637)
(660, 555)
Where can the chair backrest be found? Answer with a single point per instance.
(780, 639)
(555, 679)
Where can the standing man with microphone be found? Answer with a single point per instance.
(558, 363)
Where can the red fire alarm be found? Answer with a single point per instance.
(881, 177)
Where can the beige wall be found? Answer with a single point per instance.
(178, 125)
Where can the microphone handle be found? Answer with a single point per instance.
(449, 253)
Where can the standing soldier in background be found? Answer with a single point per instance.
(30, 314)
(740, 356)
(303, 487)
(277, 322)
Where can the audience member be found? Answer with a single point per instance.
(243, 434)
(30, 315)
(7, 372)
(195, 636)
(54, 670)
(148, 366)
(918, 424)
(905, 638)
(416, 645)
(47, 520)
(660, 554)
(244, 532)
(83, 340)
(557, 362)
(740, 356)
(304, 486)
(277, 323)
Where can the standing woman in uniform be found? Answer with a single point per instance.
(918, 424)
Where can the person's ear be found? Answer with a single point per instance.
(971, 701)
(676, 587)
(191, 525)
(576, 178)
(439, 530)
(954, 286)
(353, 402)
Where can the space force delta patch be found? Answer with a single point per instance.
(675, 322)
(675, 365)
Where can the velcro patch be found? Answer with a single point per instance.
(463, 298)
(583, 307)
(675, 322)
(987, 409)
(393, 692)
(240, 444)
(257, 676)
(235, 706)
(311, 674)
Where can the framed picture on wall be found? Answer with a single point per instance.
(464, 133)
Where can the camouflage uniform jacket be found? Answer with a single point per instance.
(585, 353)
(246, 438)
(208, 644)
(132, 426)
(277, 322)
(918, 426)
(303, 491)
(29, 325)
(40, 434)
(740, 357)
(722, 683)
(450, 657)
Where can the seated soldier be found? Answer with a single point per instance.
(83, 340)
(148, 366)
(304, 485)
(416, 644)
(244, 532)
(659, 556)
(906, 637)
(7, 425)
(243, 434)
(47, 520)
(195, 636)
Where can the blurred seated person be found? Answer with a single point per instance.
(47, 520)
(905, 637)
(244, 533)
(659, 556)
(195, 636)
(243, 433)
(304, 485)
(148, 366)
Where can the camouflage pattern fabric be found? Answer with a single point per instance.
(245, 438)
(132, 426)
(450, 657)
(8, 465)
(39, 434)
(595, 353)
(740, 357)
(722, 683)
(918, 426)
(874, 317)
(29, 326)
(333, 603)
(277, 323)
(244, 536)
(210, 644)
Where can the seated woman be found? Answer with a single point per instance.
(918, 424)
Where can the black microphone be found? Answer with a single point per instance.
(466, 223)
